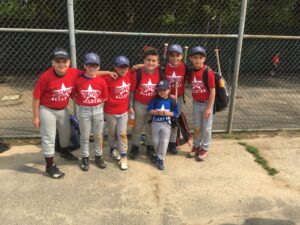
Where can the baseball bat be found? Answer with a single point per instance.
(186, 48)
(218, 61)
(166, 45)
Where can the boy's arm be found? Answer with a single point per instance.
(210, 104)
(35, 111)
(136, 67)
(114, 75)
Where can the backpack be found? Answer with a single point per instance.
(174, 120)
(222, 95)
(74, 138)
(183, 132)
(139, 76)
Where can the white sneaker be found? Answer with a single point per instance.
(123, 163)
(115, 155)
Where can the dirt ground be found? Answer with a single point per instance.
(228, 188)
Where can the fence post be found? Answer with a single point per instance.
(71, 22)
(237, 64)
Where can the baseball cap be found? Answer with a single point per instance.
(91, 58)
(163, 85)
(175, 48)
(198, 50)
(121, 61)
(60, 53)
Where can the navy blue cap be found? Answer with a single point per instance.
(163, 85)
(60, 53)
(198, 50)
(175, 48)
(121, 61)
(91, 58)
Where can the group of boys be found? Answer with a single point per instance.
(152, 93)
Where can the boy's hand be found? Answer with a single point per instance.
(131, 111)
(114, 75)
(173, 96)
(207, 113)
(36, 122)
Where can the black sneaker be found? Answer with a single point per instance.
(85, 165)
(134, 152)
(54, 172)
(172, 148)
(150, 151)
(153, 158)
(66, 154)
(100, 161)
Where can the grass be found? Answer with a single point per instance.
(259, 159)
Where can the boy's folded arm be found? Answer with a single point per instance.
(131, 101)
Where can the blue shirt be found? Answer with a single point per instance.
(160, 104)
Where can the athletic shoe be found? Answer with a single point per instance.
(201, 154)
(150, 151)
(123, 163)
(100, 161)
(54, 172)
(114, 154)
(153, 158)
(134, 152)
(85, 165)
(67, 155)
(160, 164)
(193, 153)
(172, 148)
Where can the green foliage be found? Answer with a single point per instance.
(15, 9)
(259, 159)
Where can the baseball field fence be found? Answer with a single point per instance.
(265, 93)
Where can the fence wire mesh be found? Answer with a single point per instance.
(267, 96)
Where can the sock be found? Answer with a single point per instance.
(49, 161)
(111, 150)
(64, 150)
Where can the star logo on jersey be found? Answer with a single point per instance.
(90, 95)
(162, 108)
(122, 91)
(174, 78)
(61, 94)
(148, 89)
(198, 86)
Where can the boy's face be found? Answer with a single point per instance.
(91, 69)
(122, 70)
(164, 93)
(175, 58)
(198, 60)
(151, 62)
(61, 66)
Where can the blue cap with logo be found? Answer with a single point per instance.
(175, 48)
(198, 50)
(163, 85)
(60, 53)
(121, 61)
(91, 58)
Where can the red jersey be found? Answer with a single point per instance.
(199, 90)
(173, 74)
(90, 91)
(147, 86)
(118, 94)
(54, 91)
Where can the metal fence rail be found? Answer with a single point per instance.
(265, 98)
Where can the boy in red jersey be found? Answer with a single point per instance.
(90, 93)
(203, 103)
(116, 110)
(50, 100)
(175, 73)
(143, 90)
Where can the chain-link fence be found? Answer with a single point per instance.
(267, 94)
